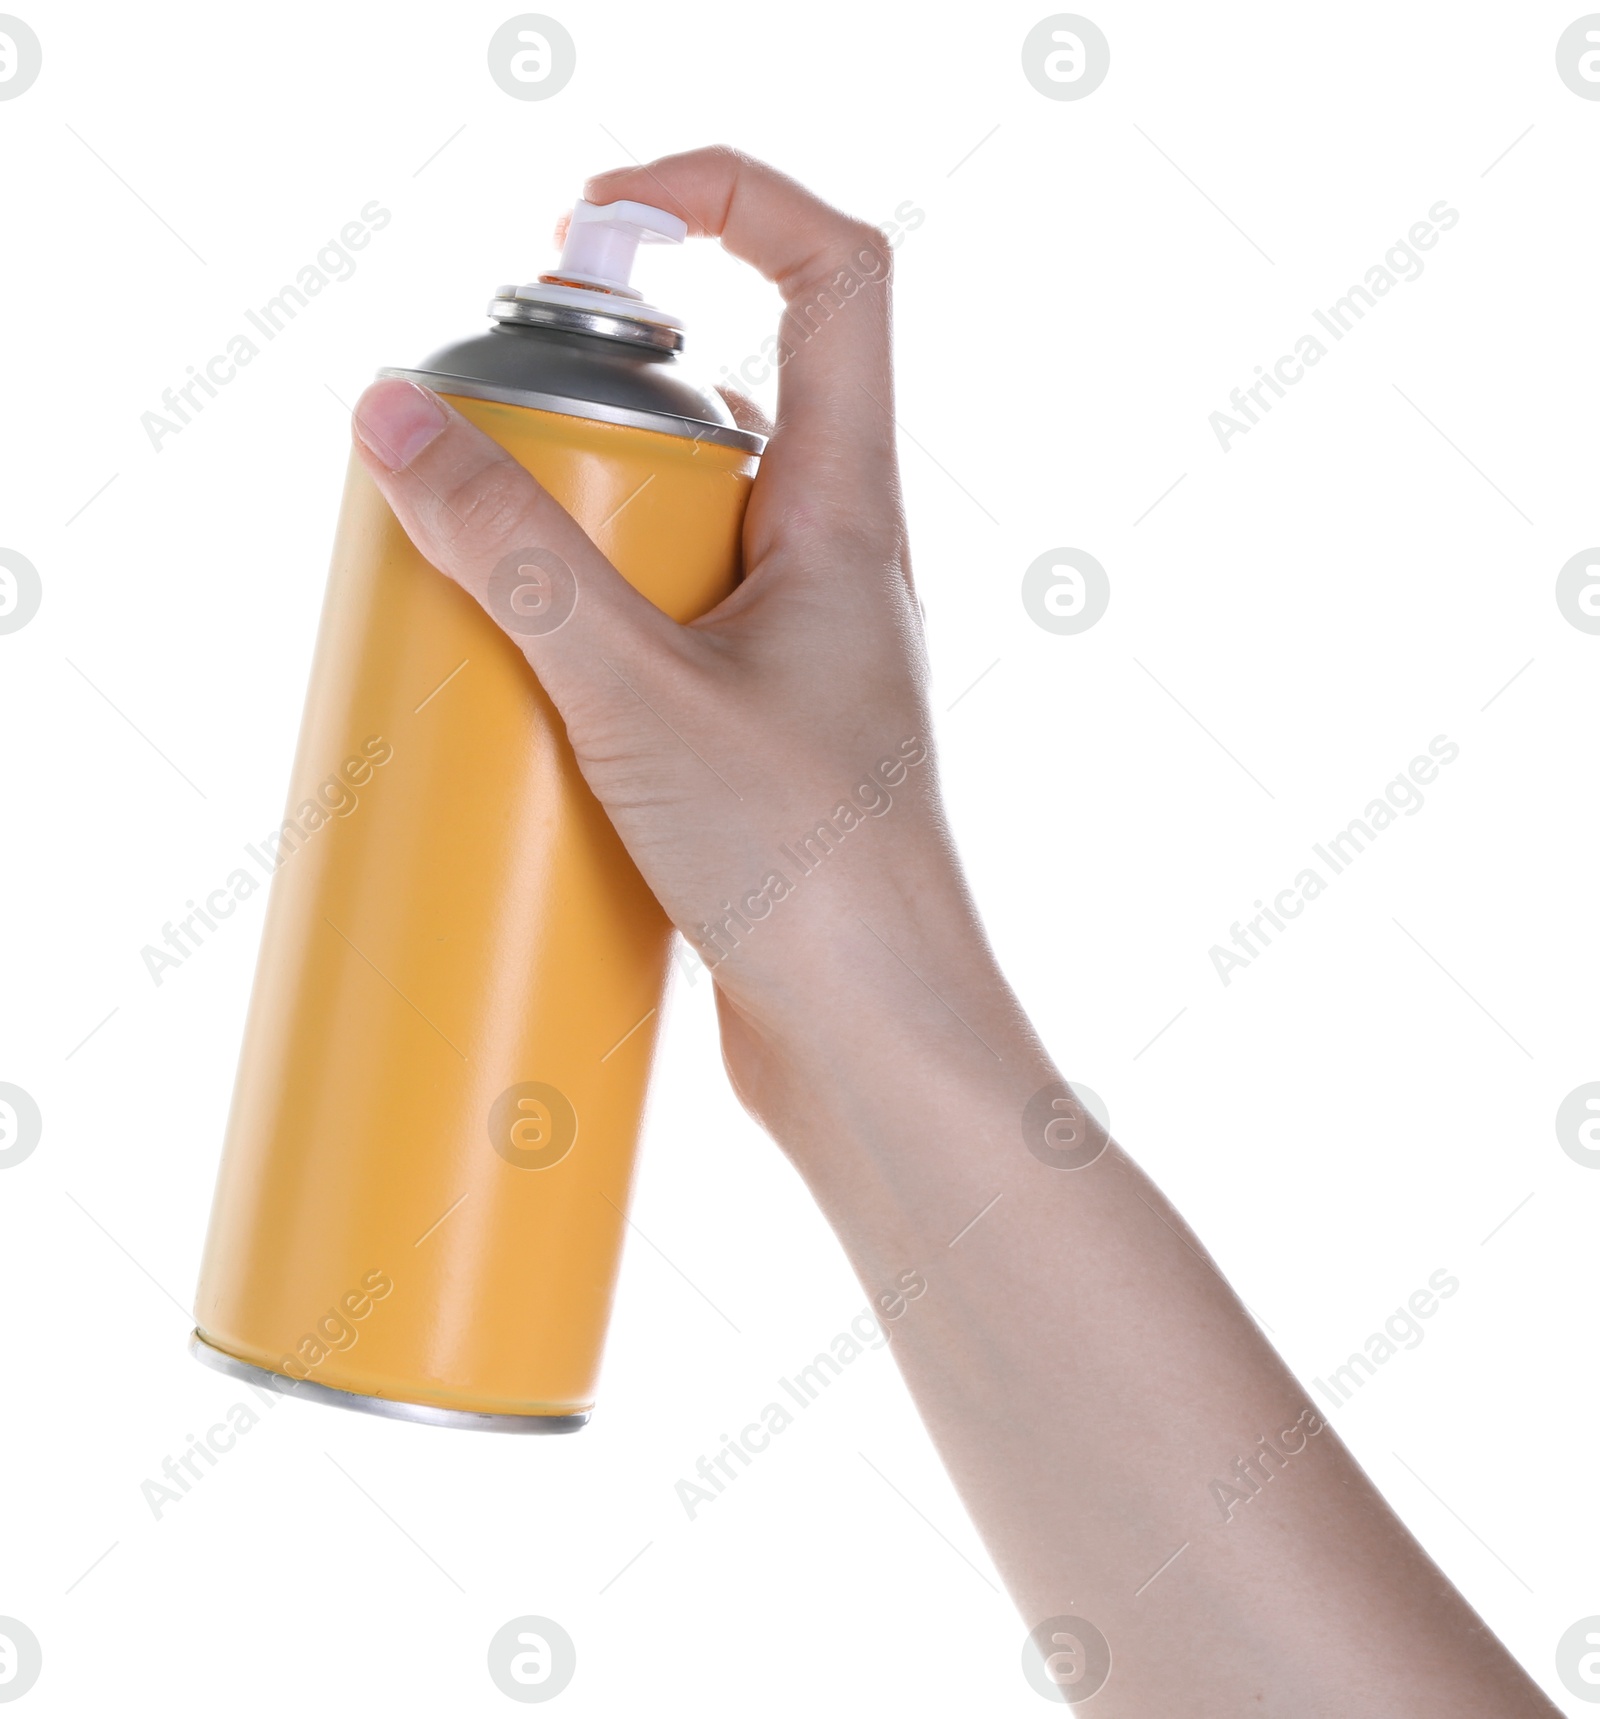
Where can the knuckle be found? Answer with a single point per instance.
(488, 507)
(867, 245)
(728, 156)
(727, 165)
(874, 255)
(853, 256)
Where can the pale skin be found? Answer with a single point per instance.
(1084, 1370)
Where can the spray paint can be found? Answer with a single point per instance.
(423, 1190)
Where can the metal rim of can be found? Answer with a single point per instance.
(506, 306)
(666, 423)
(391, 1408)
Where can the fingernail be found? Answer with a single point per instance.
(397, 419)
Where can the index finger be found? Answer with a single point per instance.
(835, 399)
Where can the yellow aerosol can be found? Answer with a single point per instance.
(421, 1201)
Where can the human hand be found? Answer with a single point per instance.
(718, 748)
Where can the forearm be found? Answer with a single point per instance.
(1091, 1381)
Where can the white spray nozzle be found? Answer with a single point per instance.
(603, 237)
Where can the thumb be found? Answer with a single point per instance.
(483, 520)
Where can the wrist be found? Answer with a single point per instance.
(896, 1053)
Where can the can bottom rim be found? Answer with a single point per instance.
(428, 1414)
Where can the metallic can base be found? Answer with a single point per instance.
(427, 1413)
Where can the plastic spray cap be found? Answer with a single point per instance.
(589, 290)
(603, 238)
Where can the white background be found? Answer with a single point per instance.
(1358, 1109)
